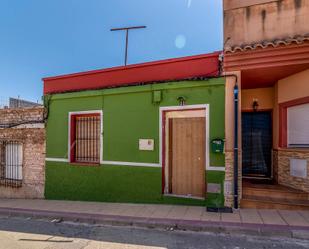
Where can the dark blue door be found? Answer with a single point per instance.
(256, 144)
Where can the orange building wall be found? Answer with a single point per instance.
(234, 4)
(250, 21)
(264, 96)
(294, 87)
(229, 111)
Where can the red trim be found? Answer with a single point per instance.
(87, 115)
(283, 126)
(206, 65)
(73, 134)
(263, 67)
(163, 150)
(72, 138)
(76, 164)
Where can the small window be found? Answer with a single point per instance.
(85, 138)
(11, 163)
(298, 126)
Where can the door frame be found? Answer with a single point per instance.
(162, 133)
(272, 142)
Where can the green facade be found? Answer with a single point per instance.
(129, 113)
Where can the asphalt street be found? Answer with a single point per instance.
(23, 233)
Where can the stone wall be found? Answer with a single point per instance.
(284, 172)
(31, 134)
(11, 116)
(275, 165)
(229, 179)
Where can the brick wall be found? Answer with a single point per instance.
(284, 174)
(32, 137)
(9, 116)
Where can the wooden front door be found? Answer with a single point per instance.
(187, 156)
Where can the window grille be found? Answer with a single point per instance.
(11, 163)
(86, 139)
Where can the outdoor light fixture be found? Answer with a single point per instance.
(255, 104)
(181, 100)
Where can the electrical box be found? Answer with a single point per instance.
(157, 97)
(298, 167)
(146, 144)
(217, 145)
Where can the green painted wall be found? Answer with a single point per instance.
(129, 114)
(116, 184)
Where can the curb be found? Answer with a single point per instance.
(297, 232)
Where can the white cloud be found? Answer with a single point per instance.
(180, 41)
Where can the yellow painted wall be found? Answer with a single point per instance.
(264, 96)
(294, 87)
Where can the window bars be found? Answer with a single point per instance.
(87, 139)
(11, 163)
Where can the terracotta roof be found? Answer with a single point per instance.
(299, 39)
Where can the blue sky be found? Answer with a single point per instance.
(40, 38)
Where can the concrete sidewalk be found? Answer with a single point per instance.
(257, 222)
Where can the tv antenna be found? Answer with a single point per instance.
(126, 29)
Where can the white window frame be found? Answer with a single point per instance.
(10, 161)
(306, 145)
(206, 108)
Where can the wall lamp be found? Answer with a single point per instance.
(255, 104)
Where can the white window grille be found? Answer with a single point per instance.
(11, 163)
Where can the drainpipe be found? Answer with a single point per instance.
(236, 94)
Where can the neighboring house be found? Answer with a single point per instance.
(22, 153)
(138, 133)
(267, 51)
(21, 103)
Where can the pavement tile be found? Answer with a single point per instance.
(111, 209)
(123, 209)
(250, 216)
(305, 214)
(209, 216)
(132, 210)
(194, 213)
(234, 217)
(293, 218)
(271, 217)
(78, 206)
(177, 212)
(161, 212)
(147, 211)
(5, 203)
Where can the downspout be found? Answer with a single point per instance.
(236, 94)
